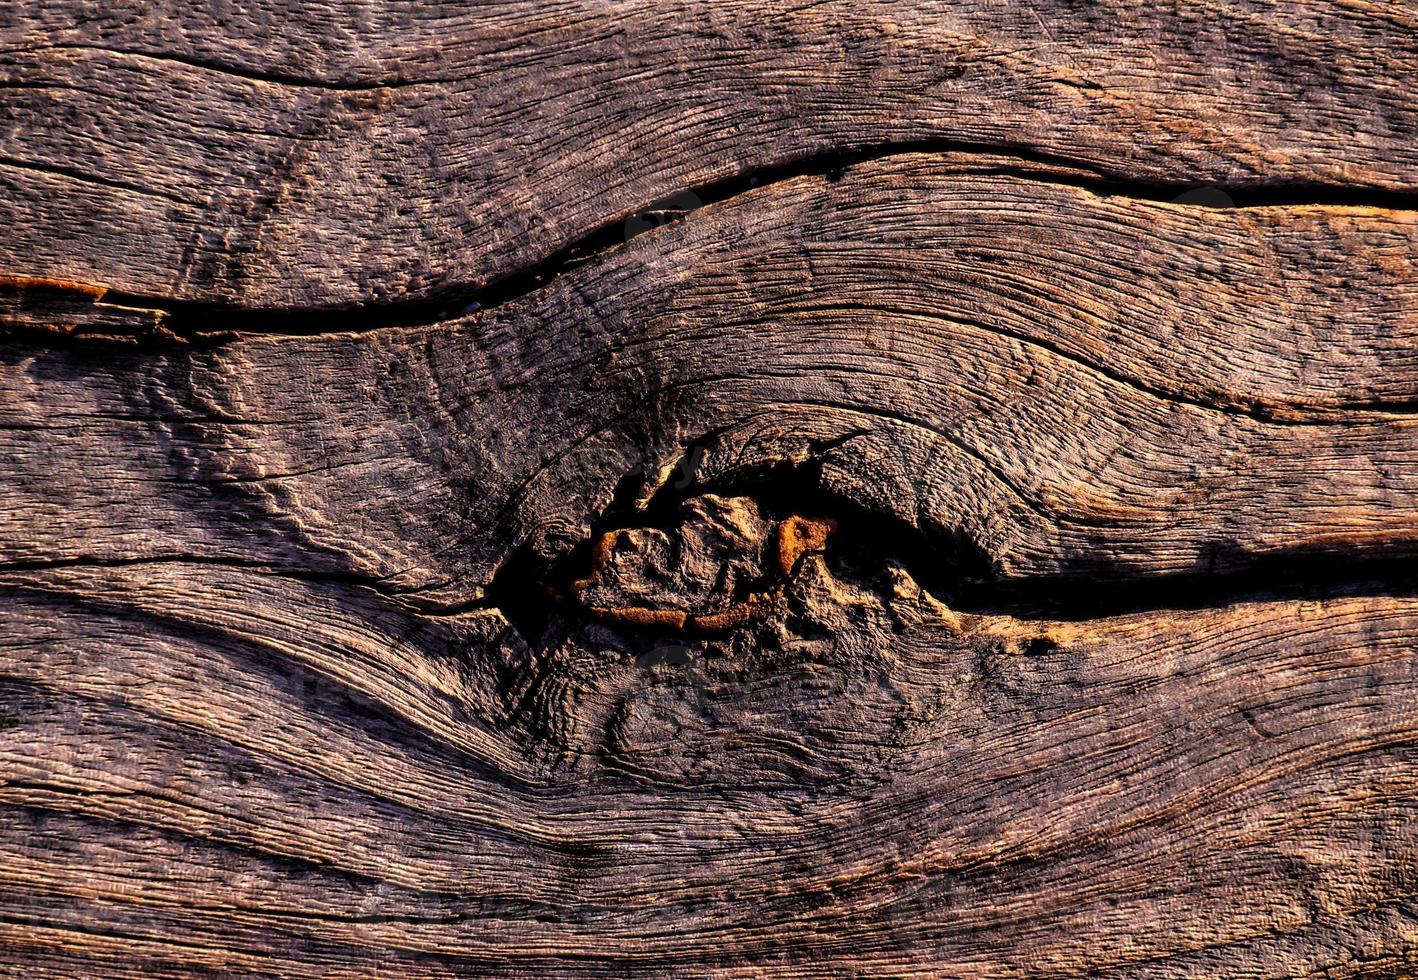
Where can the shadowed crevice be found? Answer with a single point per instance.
(952, 567)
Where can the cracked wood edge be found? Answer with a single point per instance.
(178, 157)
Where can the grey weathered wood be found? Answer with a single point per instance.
(938, 563)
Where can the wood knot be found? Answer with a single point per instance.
(722, 565)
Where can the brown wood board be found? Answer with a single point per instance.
(884, 489)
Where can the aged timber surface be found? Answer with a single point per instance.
(627, 489)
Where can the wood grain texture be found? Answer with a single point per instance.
(230, 157)
(958, 554)
(1151, 388)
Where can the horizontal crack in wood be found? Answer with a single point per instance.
(222, 322)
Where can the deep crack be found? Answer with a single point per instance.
(219, 322)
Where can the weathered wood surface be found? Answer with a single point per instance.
(280, 154)
(954, 553)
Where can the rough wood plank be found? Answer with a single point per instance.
(958, 553)
(366, 152)
(1065, 384)
(953, 795)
